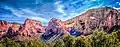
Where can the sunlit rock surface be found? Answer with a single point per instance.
(31, 29)
(101, 18)
(3, 28)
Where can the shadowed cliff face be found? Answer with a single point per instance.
(55, 29)
(101, 18)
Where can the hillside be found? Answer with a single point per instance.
(101, 18)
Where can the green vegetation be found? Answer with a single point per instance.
(6, 42)
(97, 39)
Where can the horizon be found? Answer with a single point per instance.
(43, 10)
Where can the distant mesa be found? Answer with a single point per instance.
(101, 18)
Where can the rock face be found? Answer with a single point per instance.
(30, 29)
(6, 27)
(31, 26)
(12, 30)
(3, 27)
(105, 18)
(101, 18)
(15, 26)
(55, 29)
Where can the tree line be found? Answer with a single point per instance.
(97, 39)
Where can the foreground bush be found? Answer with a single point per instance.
(102, 39)
(6, 42)
(97, 39)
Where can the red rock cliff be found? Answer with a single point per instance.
(105, 18)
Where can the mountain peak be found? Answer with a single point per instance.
(101, 18)
(105, 17)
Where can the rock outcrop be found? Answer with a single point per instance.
(6, 27)
(57, 29)
(101, 18)
(31, 26)
(105, 18)
(54, 30)
(30, 29)
(3, 28)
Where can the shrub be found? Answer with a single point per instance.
(97, 39)
(68, 41)
(6, 42)
(102, 39)
(81, 42)
(59, 43)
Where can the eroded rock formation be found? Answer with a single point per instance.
(101, 18)
(105, 18)
(30, 29)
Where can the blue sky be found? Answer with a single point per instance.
(44, 10)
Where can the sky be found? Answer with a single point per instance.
(44, 10)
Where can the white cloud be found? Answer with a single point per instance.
(59, 7)
(15, 12)
(61, 11)
(71, 15)
(22, 12)
(93, 0)
(118, 3)
(58, 2)
(30, 12)
(26, 13)
(116, 8)
(38, 18)
(42, 20)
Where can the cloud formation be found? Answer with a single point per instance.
(44, 10)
